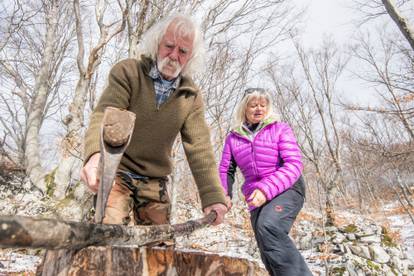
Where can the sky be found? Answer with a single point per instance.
(336, 19)
(327, 17)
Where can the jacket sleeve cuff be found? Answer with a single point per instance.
(266, 189)
(90, 150)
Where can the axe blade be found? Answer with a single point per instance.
(116, 132)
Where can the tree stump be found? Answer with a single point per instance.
(149, 261)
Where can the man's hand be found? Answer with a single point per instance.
(220, 209)
(256, 199)
(89, 173)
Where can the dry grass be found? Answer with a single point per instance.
(303, 215)
(398, 211)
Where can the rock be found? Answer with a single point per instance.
(392, 251)
(399, 264)
(331, 229)
(339, 238)
(378, 254)
(361, 251)
(370, 239)
(351, 236)
(366, 232)
(305, 242)
(386, 270)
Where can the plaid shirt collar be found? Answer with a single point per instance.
(163, 90)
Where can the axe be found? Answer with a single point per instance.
(115, 135)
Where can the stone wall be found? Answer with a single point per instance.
(355, 249)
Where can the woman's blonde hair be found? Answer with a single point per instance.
(249, 94)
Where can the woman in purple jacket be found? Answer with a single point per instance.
(269, 158)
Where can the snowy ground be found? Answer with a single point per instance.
(404, 226)
(18, 263)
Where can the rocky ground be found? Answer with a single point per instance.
(358, 245)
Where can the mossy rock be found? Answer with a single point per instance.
(351, 228)
(338, 271)
(373, 265)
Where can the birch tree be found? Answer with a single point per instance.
(70, 161)
(34, 83)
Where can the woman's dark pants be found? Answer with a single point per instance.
(271, 224)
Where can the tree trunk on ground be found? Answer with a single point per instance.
(143, 261)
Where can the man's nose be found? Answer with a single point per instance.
(174, 54)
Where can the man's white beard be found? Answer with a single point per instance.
(167, 61)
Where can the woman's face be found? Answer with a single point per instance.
(256, 110)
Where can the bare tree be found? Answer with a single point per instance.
(69, 163)
(387, 71)
(306, 96)
(34, 83)
(375, 8)
(402, 23)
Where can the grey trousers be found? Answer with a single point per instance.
(271, 224)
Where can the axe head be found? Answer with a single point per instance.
(116, 131)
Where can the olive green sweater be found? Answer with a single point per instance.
(155, 131)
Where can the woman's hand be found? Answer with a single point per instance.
(256, 199)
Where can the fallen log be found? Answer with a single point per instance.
(28, 232)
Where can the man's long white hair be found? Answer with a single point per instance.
(184, 26)
(251, 93)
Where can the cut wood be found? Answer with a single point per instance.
(144, 261)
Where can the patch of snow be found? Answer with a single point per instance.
(404, 225)
(12, 262)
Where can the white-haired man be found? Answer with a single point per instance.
(158, 88)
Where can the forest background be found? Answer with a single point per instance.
(358, 150)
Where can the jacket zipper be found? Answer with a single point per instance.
(252, 151)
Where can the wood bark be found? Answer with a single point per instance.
(144, 261)
(53, 234)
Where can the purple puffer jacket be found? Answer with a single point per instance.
(259, 160)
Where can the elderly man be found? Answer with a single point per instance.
(158, 88)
